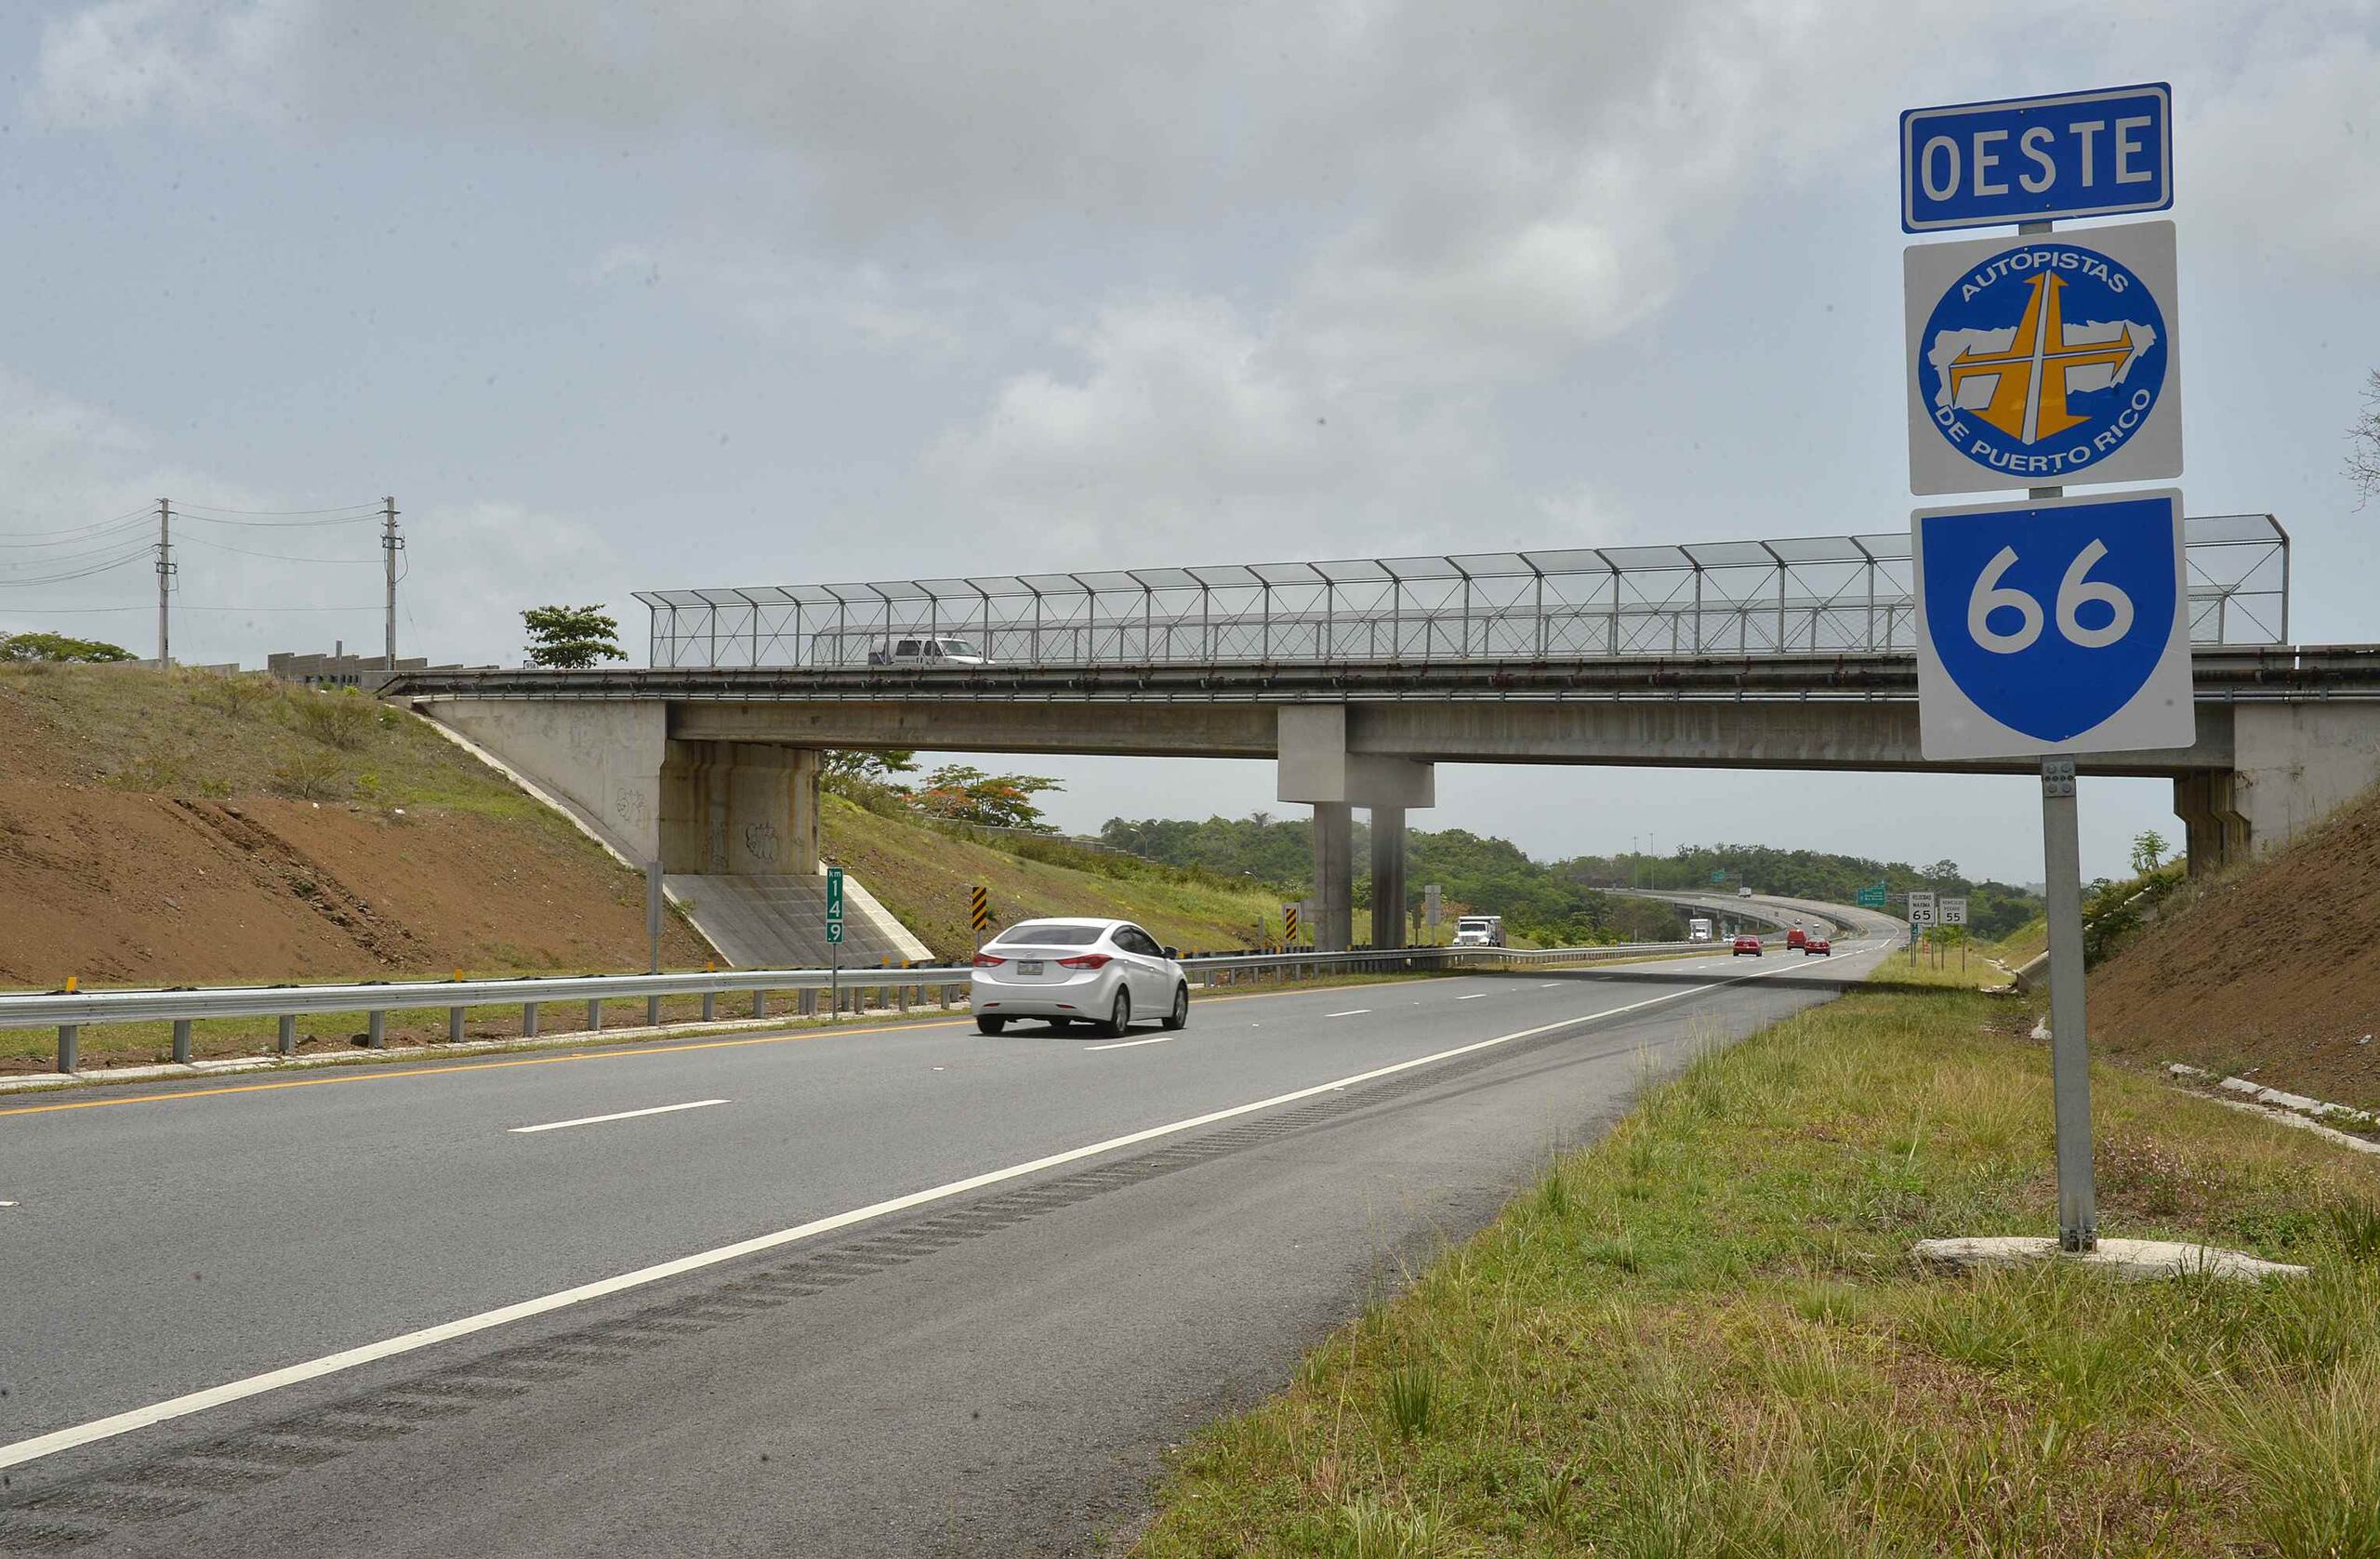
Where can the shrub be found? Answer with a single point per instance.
(235, 694)
(310, 776)
(344, 720)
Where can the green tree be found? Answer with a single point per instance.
(2148, 850)
(59, 647)
(874, 768)
(571, 637)
(1942, 871)
(962, 793)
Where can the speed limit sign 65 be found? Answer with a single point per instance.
(2054, 626)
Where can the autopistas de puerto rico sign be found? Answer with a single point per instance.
(2044, 361)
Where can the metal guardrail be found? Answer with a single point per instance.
(69, 1012)
(1809, 595)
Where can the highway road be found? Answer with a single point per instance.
(907, 1291)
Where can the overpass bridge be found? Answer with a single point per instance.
(1358, 677)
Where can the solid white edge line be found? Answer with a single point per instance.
(623, 1115)
(1128, 1044)
(230, 1391)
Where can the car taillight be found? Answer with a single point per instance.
(984, 961)
(1087, 961)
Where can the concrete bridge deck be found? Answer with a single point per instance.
(712, 770)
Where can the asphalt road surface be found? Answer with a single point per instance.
(911, 1291)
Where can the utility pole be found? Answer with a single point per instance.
(391, 545)
(164, 580)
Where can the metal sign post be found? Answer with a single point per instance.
(2059, 626)
(2078, 1213)
(834, 943)
(653, 913)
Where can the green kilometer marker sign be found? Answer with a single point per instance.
(834, 903)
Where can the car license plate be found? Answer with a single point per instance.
(1029, 966)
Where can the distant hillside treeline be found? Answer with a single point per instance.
(1993, 908)
(1489, 875)
(1561, 900)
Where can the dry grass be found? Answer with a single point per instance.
(1704, 1336)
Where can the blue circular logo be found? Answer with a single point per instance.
(2042, 361)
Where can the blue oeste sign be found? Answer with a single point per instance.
(2100, 153)
(2055, 625)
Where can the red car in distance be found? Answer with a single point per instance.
(1746, 944)
(1821, 946)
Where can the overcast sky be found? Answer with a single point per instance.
(623, 296)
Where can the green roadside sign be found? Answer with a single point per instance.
(834, 903)
(1718, 877)
(1872, 896)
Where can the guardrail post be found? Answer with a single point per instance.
(652, 1011)
(287, 1039)
(528, 1020)
(710, 1006)
(759, 1004)
(182, 1041)
(453, 1025)
(595, 1015)
(69, 1046)
(376, 1030)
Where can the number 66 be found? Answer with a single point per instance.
(2072, 592)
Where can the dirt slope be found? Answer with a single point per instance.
(2273, 969)
(148, 836)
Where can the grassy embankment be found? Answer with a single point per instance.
(922, 874)
(1704, 1334)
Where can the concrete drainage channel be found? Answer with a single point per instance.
(88, 1507)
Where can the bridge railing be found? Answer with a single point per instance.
(1799, 596)
(896, 989)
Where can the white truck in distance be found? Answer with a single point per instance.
(1479, 931)
(1697, 929)
(922, 651)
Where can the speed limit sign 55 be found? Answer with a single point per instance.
(2055, 625)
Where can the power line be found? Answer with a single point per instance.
(179, 606)
(282, 557)
(77, 536)
(342, 508)
(280, 524)
(132, 557)
(111, 545)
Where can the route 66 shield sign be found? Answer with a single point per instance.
(2055, 625)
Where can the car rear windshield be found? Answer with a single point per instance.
(1051, 933)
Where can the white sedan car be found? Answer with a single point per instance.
(1105, 972)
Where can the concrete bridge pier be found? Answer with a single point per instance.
(1388, 877)
(1316, 767)
(1334, 873)
(2292, 764)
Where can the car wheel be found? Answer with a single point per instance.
(991, 1025)
(1119, 1017)
(1179, 1016)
